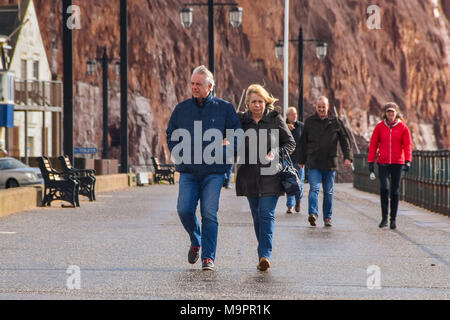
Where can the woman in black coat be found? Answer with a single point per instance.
(256, 178)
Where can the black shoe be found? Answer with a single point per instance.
(393, 225)
(193, 254)
(208, 264)
(297, 206)
(383, 223)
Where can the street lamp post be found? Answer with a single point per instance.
(235, 20)
(321, 52)
(123, 86)
(91, 68)
(67, 39)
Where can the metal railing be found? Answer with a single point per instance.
(427, 183)
(38, 93)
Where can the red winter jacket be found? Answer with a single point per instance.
(392, 143)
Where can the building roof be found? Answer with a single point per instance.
(11, 16)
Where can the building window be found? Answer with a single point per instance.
(36, 70)
(24, 70)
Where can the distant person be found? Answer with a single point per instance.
(262, 189)
(318, 151)
(391, 142)
(296, 128)
(200, 181)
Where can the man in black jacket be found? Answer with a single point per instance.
(296, 128)
(318, 151)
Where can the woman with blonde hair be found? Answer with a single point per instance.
(391, 142)
(252, 181)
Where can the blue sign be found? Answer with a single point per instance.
(85, 150)
(7, 115)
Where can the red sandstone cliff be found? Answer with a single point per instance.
(405, 61)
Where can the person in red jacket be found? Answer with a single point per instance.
(391, 143)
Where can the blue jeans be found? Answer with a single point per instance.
(292, 200)
(317, 177)
(228, 177)
(263, 212)
(193, 188)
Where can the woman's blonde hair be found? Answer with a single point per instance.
(260, 91)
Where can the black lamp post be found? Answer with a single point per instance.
(91, 68)
(321, 52)
(123, 86)
(67, 39)
(235, 20)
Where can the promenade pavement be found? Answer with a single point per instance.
(131, 245)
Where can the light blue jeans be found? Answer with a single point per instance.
(317, 177)
(292, 200)
(263, 212)
(193, 188)
(228, 177)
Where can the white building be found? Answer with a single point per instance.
(38, 100)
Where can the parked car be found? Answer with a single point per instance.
(14, 173)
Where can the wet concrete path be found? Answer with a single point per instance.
(131, 245)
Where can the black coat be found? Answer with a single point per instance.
(296, 133)
(318, 143)
(249, 180)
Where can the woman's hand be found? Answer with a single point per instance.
(270, 156)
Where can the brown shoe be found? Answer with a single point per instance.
(264, 264)
(289, 210)
(297, 207)
(312, 220)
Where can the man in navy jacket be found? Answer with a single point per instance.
(196, 136)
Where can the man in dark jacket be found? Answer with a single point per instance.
(195, 120)
(318, 150)
(296, 128)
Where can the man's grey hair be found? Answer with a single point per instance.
(204, 70)
(324, 99)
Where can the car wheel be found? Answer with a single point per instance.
(12, 183)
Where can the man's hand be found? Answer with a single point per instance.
(291, 126)
(347, 163)
(300, 165)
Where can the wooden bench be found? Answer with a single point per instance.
(58, 185)
(85, 177)
(163, 171)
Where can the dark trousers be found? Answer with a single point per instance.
(390, 176)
